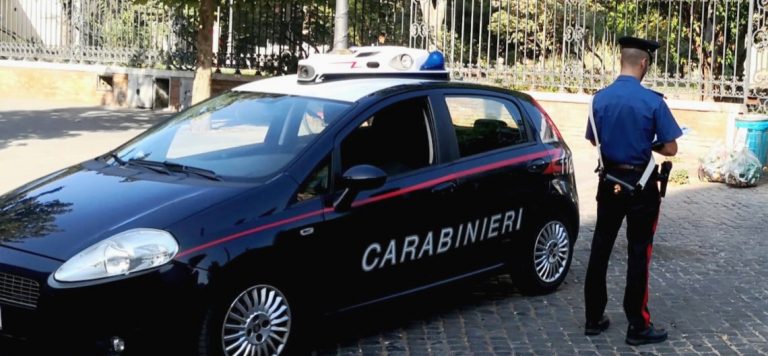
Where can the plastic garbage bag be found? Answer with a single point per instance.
(743, 169)
(712, 166)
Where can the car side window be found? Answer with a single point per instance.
(316, 184)
(397, 139)
(546, 131)
(484, 124)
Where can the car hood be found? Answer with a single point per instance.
(59, 215)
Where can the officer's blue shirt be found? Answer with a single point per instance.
(628, 117)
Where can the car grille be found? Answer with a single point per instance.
(18, 290)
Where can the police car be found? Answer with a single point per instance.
(365, 177)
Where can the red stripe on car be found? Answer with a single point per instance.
(406, 190)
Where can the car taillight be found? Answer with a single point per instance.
(559, 163)
(549, 132)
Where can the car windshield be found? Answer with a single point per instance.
(237, 134)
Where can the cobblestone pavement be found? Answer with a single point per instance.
(707, 289)
(707, 285)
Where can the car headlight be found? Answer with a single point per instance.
(127, 252)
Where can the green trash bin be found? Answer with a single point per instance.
(755, 131)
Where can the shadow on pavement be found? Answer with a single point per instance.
(366, 330)
(67, 122)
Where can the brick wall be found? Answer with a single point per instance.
(224, 82)
(175, 100)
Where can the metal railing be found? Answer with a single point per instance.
(570, 45)
(711, 49)
(86, 31)
(262, 36)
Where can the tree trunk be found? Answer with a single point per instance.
(201, 87)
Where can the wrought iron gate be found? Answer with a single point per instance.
(711, 49)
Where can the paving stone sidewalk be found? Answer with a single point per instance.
(708, 289)
(708, 286)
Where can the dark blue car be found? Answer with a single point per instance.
(237, 222)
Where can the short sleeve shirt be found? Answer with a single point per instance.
(629, 119)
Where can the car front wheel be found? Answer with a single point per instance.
(543, 257)
(255, 321)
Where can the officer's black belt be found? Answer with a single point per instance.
(625, 167)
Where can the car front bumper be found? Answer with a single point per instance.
(33, 306)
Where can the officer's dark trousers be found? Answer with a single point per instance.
(641, 211)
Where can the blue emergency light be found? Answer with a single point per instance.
(435, 61)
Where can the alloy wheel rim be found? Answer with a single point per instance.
(257, 323)
(551, 251)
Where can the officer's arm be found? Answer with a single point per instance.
(667, 130)
(666, 149)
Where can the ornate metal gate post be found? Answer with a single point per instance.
(427, 21)
(756, 68)
(418, 32)
(572, 56)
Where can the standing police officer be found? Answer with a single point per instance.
(627, 118)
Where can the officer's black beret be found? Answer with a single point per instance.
(639, 43)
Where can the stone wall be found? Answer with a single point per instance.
(75, 87)
(83, 85)
(707, 122)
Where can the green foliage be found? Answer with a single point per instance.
(679, 176)
(527, 26)
(697, 39)
(174, 3)
(126, 29)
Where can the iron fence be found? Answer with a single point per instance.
(570, 45)
(711, 49)
(262, 36)
(86, 31)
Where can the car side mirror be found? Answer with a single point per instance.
(356, 179)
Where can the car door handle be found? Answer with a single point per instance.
(537, 166)
(444, 188)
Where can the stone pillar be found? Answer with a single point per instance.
(175, 92)
(120, 90)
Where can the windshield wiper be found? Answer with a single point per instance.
(116, 158)
(158, 167)
(202, 172)
(169, 168)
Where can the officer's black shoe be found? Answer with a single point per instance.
(650, 335)
(592, 328)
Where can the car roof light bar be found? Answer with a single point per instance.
(373, 62)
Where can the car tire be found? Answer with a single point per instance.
(543, 256)
(251, 316)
